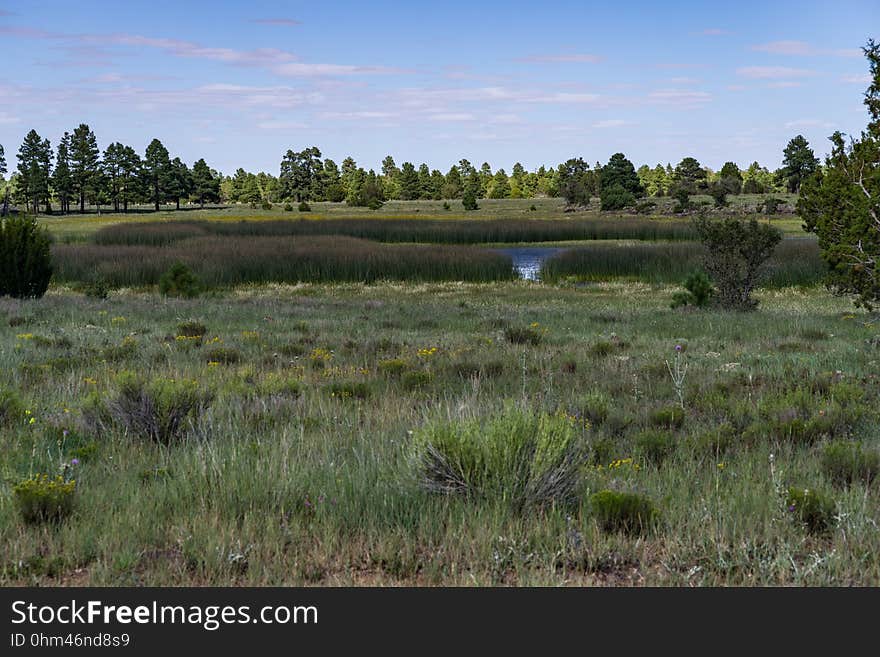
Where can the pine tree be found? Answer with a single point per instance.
(205, 187)
(84, 163)
(410, 188)
(35, 168)
(157, 172)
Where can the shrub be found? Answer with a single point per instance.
(813, 508)
(304, 207)
(523, 335)
(223, 355)
(629, 513)
(736, 253)
(179, 281)
(699, 291)
(42, 498)
(157, 410)
(266, 205)
(594, 407)
(655, 446)
(25, 259)
(446, 205)
(683, 200)
(392, 366)
(191, 329)
(532, 208)
(847, 462)
(616, 197)
(771, 205)
(97, 288)
(517, 457)
(645, 207)
(288, 207)
(11, 408)
(348, 390)
(669, 417)
(416, 379)
(469, 201)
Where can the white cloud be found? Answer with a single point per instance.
(857, 79)
(609, 123)
(773, 72)
(680, 97)
(562, 59)
(451, 116)
(803, 49)
(808, 123)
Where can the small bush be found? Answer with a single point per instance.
(446, 205)
(416, 379)
(699, 291)
(813, 508)
(771, 205)
(11, 407)
(846, 462)
(266, 205)
(157, 410)
(288, 207)
(179, 281)
(655, 446)
(668, 417)
(594, 407)
(392, 366)
(191, 329)
(304, 207)
(645, 207)
(25, 258)
(517, 457)
(42, 498)
(616, 197)
(523, 335)
(97, 288)
(222, 355)
(469, 201)
(629, 513)
(348, 390)
(532, 208)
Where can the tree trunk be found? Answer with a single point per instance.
(82, 202)
(178, 203)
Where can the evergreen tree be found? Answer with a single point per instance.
(34, 169)
(620, 185)
(409, 182)
(130, 177)
(798, 164)
(62, 179)
(157, 172)
(205, 185)
(179, 181)
(452, 185)
(84, 163)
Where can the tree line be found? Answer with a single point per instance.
(76, 174)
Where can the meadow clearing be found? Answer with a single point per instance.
(444, 423)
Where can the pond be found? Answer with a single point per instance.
(527, 260)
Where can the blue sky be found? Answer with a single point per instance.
(240, 83)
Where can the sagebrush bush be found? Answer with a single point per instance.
(179, 281)
(392, 366)
(630, 513)
(594, 407)
(25, 258)
(191, 329)
(348, 389)
(523, 335)
(654, 446)
(11, 407)
(43, 498)
(304, 207)
(846, 462)
(222, 355)
(416, 379)
(813, 508)
(517, 457)
(669, 417)
(159, 410)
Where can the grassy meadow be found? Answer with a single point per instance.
(442, 423)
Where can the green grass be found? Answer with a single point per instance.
(796, 261)
(224, 261)
(280, 481)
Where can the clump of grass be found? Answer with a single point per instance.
(43, 498)
(655, 446)
(523, 335)
(815, 509)
(668, 417)
(394, 367)
(11, 407)
(629, 513)
(416, 379)
(126, 349)
(517, 457)
(348, 389)
(594, 407)
(158, 410)
(222, 355)
(191, 329)
(847, 462)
